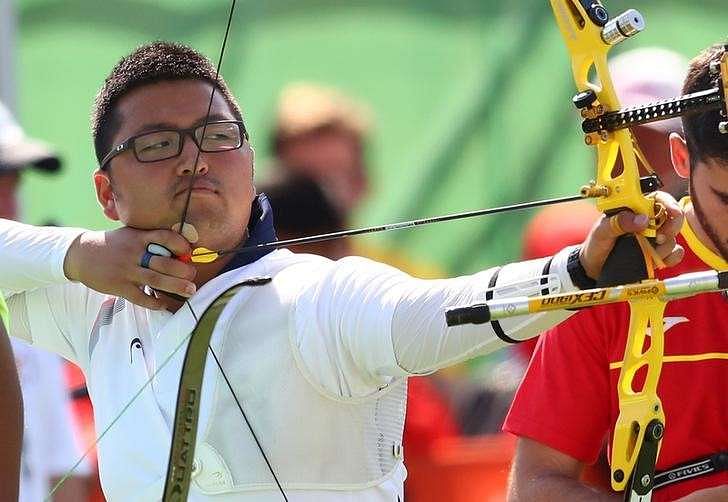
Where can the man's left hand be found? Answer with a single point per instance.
(602, 237)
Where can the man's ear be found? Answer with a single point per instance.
(105, 194)
(679, 155)
(252, 151)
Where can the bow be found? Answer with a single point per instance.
(589, 34)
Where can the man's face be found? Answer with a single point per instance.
(152, 195)
(709, 193)
(8, 194)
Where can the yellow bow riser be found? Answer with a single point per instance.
(588, 50)
(589, 35)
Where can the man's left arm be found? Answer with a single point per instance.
(373, 322)
(421, 341)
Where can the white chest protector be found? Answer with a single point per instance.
(316, 434)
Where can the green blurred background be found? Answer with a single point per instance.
(471, 98)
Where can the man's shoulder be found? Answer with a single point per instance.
(284, 260)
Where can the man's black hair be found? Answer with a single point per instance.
(149, 64)
(701, 130)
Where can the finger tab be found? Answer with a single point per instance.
(158, 249)
(188, 231)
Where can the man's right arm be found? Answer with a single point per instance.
(561, 412)
(541, 473)
(108, 262)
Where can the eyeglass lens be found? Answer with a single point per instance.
(160, 145)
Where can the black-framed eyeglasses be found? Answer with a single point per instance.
(153, 146)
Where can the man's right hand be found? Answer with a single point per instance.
(110, 262)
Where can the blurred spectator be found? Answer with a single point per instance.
(50, 448)
(643, 76)
(320, 133)
(301, 208)
(11, 414)
(49, 442)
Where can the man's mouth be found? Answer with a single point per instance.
(199, 186)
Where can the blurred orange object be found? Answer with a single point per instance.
(84, 415)
(466, 469)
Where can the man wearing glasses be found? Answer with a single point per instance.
(317, 354)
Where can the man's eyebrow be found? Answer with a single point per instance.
(213, 117)
(157, 126)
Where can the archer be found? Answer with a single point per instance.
(313, 355)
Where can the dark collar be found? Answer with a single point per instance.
(260, 231)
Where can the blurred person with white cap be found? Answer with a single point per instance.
(17, 152)
(49, 446)
(646, 75)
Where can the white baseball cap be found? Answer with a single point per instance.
(18, 151)
(649, 74)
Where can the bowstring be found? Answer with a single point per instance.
(182, 222)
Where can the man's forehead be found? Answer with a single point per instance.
(177, 103)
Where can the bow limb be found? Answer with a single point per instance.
(640, 426)
(589, 35)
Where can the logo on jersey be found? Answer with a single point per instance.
(136, 343)
(670, 322)
(109, 308)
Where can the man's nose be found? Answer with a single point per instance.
(190, 156)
